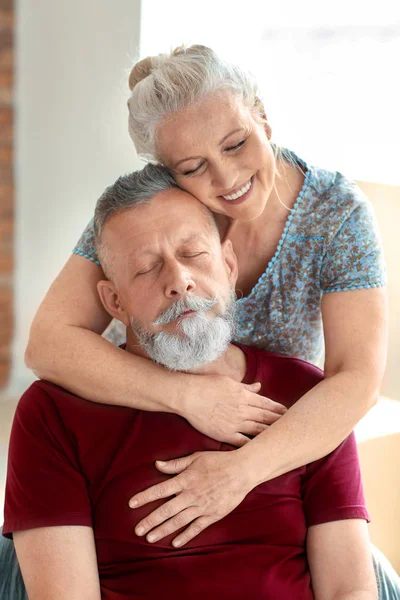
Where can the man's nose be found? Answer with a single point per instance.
(179, 282)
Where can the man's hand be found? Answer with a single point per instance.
(209, 486)
(228, 411)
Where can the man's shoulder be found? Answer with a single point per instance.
(283, 378)
(265, 357)
(42, 392)
(276, 357)
(40, 402)
(46, 401)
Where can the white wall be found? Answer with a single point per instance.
(71, 134)
(386, 203)
(325, 71)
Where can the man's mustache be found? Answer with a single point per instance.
(183, 305)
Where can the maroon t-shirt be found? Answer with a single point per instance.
(74, 462)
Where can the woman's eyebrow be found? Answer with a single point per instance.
(220, 144)
(231, 133)
(185, 159)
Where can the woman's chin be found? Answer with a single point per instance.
(247, 212)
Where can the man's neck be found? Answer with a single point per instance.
(232, 363)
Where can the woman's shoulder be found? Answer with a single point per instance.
(328, 199)
(86, 245)
(331, 189)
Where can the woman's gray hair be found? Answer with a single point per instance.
(168, 83)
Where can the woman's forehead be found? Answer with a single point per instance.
(205, 123)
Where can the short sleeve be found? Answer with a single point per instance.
(44, 486)
(86, 246)
(332, 487)
(354, 257)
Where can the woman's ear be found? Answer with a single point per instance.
(111, 301)
(260, 112)
(231, 262)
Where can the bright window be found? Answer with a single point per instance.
(328, 77)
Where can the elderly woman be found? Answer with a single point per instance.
(311, 271)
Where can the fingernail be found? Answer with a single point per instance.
(162, 463)
(140, 531)
(177, 543)
(133, 503)
(151, 538)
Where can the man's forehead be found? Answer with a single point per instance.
(178, 238)
(170, 209)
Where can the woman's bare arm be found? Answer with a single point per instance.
(355, 329)
(211, 484)
(66, 347)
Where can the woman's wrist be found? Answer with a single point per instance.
(244, 463)
(179, 394)
(251, 460)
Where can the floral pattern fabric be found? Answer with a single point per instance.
(330, 243)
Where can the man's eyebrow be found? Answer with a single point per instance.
(135, 260)
(194, 237)
(220, 144)
(149, 252)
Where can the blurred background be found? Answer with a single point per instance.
(328, 74)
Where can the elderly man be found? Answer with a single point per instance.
(74, 465)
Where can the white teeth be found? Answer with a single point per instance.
(242, 191)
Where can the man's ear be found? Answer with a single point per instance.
(231, 262)
(111, 301)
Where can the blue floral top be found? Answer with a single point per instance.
(330, 243)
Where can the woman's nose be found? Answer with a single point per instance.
(223, 177)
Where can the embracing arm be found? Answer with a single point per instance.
(355, 328)
(66, 348)
(58, 563)
(211, 485)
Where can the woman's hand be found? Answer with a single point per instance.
(209, 486)
(226, 410)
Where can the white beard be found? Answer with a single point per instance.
(200, 340)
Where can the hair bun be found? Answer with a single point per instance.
(140, 71)
(196, 49)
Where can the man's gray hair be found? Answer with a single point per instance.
(134, 189)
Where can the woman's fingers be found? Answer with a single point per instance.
(261, 415)
(172, 525)
(253, 387)
(252, 428)
(209, 489)
(190, 532)
(166, 513)
(238, 440)
(165, 489)
(267, 404)
(176, 465)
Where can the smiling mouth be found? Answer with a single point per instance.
(240, 194)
